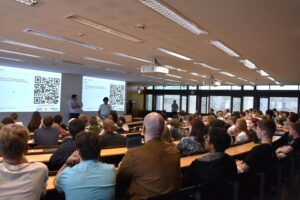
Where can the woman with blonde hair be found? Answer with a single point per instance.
(242, 134)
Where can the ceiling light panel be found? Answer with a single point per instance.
(262, 73)
(207, 66)
(5, 41)
(28, 2)
(173, 16)
(174, 76)
(19, 53)
(115, 70)
(227, 73)
(11, 59)
(195, 74)
(248, 64)
(60, 39)
(224, 48)
(95, 25)
(101, 61)
(173, 54)
(130, 57)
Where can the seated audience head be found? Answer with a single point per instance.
(218, 140)
(241, 125)
(198, 130)
(75, 126)
(8, 120)
(217, 123)
(48, 120)
(242, 114)
(236, 114)
(175, 123)
(109, 126)
(253, 123)
(88, 146)
(93, 120)
(13, 141)
(122, 120)
(153, 126)
(166, 135)
(265, 129)
(269, 114)
(84, 118)
(58, 119)
(294, 130)
(232, 120)
(14, 116)
(292, 118)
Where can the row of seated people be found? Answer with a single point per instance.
(145, 171)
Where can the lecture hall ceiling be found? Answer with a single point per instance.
(267, 33)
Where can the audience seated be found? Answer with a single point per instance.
(83, 176)
(46, 135)
(252, 129)
(262, 156)
(166, 135)
(151, 169)
(194, 143)
(19, 179)
(57, 124)
(175, 131)
(15, 116)
(8, 120)
(84, 119)
(34, 122)
(60, 156)
(242, 134)
(294, 145)
(216, 168)
(122, 126)
(110, 138)
(94, 126)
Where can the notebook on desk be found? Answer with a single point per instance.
(133, 140)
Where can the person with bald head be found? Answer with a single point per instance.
(151, 169)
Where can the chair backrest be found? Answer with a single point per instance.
(133, 140)
(128, 118)
(181, 194)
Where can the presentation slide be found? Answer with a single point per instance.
(24, 90)
(95, 89)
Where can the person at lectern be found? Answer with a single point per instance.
(74, 107)
(104, 109)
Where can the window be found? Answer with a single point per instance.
(221, 87)
(204, 87)
(172, 87)
(149, 98)
(262, 87)
(192, 87)
(159, 102)
(248, 87)
(284, 87)
(149, 87)
(236, 87)
(220, 102)
(248, 103)
(158, 87)
(236, 104)
(183, 103)
(263, 104)
(192, 103)
(204, 104)
(284, 103)
(168, 101)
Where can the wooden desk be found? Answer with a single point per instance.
(135, 123)
(50, 185)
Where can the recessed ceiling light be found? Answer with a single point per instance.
(206, 66)
(115, 70)
(252, 83)
(5, 41)
(18, 53)
(229, 83)
(175, 68)
(272, 79)
(95, 25)
(131, 57)
(224, 48)
(28, 2)
(227, 73)
(248, 64)
(12, 59)
(61, 39)
(262, 73)
(173, 15)
(277, 82)
(174, 54)
(101, 61)
(242, 79)
(172, 80)
(195, 74)
(171, 75)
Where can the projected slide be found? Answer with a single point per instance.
(24, 90)
(95, 89)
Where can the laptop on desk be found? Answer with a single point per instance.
(133, 140)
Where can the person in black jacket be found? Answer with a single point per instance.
(215, 169)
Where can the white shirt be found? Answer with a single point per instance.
(241, 137)
(104, 110)
(27, 181)
(74, 106)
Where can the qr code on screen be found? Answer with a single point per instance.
(46, 90)
(116, 96)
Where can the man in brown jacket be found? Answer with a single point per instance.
(153, 168)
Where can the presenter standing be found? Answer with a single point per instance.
(104, 109)
(74, 107)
